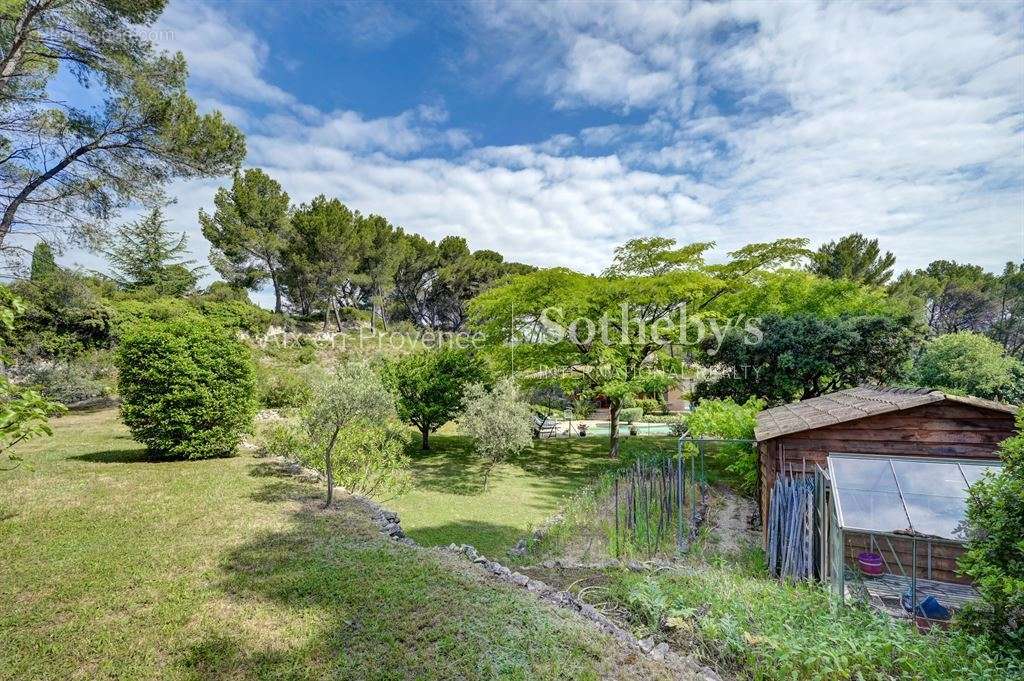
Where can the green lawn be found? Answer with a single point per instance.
(449, 504)
(114, 566)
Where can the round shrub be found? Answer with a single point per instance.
(187, 387)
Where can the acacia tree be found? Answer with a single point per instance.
(430, 386)
(66, 170)
(249, 230)
(605, 334)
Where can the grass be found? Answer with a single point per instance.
(449, 504)
(739, 620)
(115, 566)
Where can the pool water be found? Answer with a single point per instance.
(642, 429)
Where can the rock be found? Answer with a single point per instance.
(519, 549)
(646, 645)
(550, 564)
(660, 651)
(520, 579)
(536, 585)
(481, 559)
(709, 674)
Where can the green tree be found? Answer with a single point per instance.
(728, 420)
(968, 364)
(343, 416)
(322, 258)
(994, 559)
(856, 258)
(498, 421)
(1008, 328)
(187, 386)
(24, 414)
(145, 254)
(249, 230)
(69, 169)
(801, 356)
(951, 297)
(431, 384)
(609, 334)
(44, 265)
(379, 263)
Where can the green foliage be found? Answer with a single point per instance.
(249, 231)
(664, 288)
(631, 414)
(430, 385)
(43, 265)
(802, 356)
(969, 364)
(75, 166)
(760, 628)
(785, 292)
(236, 314)
(283, 438)
(368, 459)
(146, 255)
(856, 258)
(280, 387)
(24, 413)
(952, 297)
(131, 312)
(64, 315)
(498, 422)
(352, 425)
(727, 420)
(88, 375)
(187, 387)
(995, 550)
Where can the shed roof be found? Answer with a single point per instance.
(854, 404)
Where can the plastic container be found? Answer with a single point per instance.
(870, 564)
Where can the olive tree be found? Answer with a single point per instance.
(498, 421)
(352, 415)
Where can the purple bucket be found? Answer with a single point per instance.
(870, 563)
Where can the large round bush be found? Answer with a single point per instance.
(187, 387)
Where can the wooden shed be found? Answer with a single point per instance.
(897, 424)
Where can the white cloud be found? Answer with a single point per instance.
(763, 120)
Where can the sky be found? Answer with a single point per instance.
(553, 132)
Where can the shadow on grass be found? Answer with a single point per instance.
(136, 455)
(329, 598)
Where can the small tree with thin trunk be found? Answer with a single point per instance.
(498, 421)
(430, 385)
(354, 397)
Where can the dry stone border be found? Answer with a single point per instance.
(390, 525)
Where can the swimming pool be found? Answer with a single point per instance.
(659, 429)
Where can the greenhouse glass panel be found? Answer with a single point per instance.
(867, 494)
(974, 472)
(924, 496)
(933, 493)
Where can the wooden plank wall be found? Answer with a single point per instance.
(944, 556)
(940, 429)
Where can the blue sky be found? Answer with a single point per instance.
(552, 132)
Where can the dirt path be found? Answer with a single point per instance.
(730, 521)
